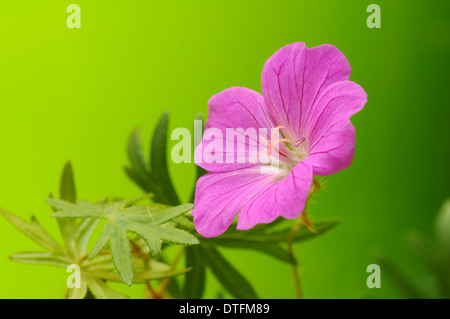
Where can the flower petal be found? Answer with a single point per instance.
(330, 134)
(286, 198)
(220, 196)
(294, 77)
(258, 198)
(234, 108)
(335, 150)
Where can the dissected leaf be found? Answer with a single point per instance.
(84, 232)
(41, 258)
(78, 293)
(154, 223)
(105, 262)
(139, 277)
(153, 234)
(121, 251)
(101, 290)
(162, 214)
(185, 222)
(151, 274)
(68, 229)
(122, 219)
(81, 209)
(33, 230)
(102, 263)
(102, 241)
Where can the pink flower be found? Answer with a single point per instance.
(308, 98)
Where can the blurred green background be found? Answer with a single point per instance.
(77, 94)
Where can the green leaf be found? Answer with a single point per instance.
(153, 234)
(267, 235)
(258, 229)
(122, 219)
(141, 182)
(102, 262)
(173, 288)
(121, 252)
(41, 258)
(67, 227)
(163, 214)
(185, 222)
(271, 249)
(78, 293)
(194, 284)
(158, 162)
(442, 226)
(275, 251)
(136, 155)
(84, 232)
(230, 278)
(80, 210)
(33, 230)
(101, 241)
(152, 275)
(436, 260)
(424, 247)
(408, 288)
(321, 227)
(101, 290)
(140, 276)
(67, 189)
(156, 178)
(265, 239)
(106, 263)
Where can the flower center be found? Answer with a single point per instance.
(293, 153)
(284, 154)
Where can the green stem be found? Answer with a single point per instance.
(295, 273)
(165, 282)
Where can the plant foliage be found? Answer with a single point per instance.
(134, 233)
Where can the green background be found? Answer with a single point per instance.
(77, 94)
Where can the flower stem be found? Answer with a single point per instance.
(295, 272)
(165, 282)
(151, 292)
